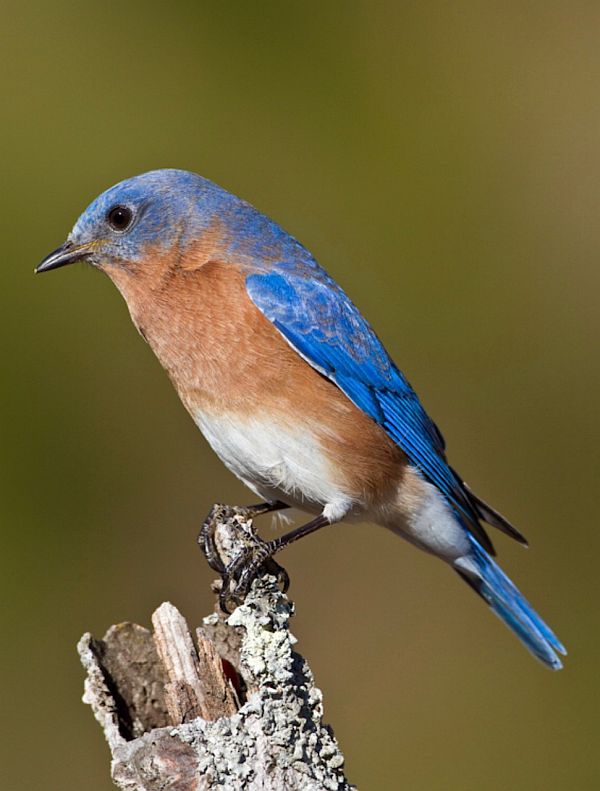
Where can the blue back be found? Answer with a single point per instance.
(326, 328)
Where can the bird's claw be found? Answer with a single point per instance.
(227, 533)
(221, 514)
(252, 562)
(206, 538)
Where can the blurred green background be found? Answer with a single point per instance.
(442, 161)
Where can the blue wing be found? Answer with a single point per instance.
(317, 318)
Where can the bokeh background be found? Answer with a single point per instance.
(442, 161)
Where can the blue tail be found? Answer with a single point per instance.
(487, 578)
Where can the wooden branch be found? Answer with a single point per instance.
(236, 710)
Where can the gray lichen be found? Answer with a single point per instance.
(276, 740)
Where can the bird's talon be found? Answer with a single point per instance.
(251, 555)
(274, 568)
(244, 569)
(225, 594)
(206, 538)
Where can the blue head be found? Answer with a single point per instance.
(165, 210)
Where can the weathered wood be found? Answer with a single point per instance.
(238, 710)
(197, 685)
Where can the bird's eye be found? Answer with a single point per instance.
(119, 218)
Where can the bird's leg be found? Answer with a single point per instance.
(244, 569)
(218, 515)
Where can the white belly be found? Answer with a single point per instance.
(281, 462)
(276, 461)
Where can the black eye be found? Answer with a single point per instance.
(119, 218)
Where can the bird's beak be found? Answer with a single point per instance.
(67, 253)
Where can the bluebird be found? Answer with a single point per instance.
(287, 381)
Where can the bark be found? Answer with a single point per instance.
(235, 709)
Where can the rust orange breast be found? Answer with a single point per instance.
(224, 356)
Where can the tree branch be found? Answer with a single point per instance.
(236, 710)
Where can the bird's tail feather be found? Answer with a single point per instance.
(491, 583)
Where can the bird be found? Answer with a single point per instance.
(287, 380)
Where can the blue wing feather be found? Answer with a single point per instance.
(317, 318)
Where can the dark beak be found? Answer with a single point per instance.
(67, 253)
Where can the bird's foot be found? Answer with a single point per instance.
(253, 560)
(234, 550)
(215, 546)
